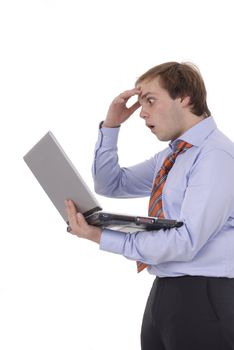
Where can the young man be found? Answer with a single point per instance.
(191, 304)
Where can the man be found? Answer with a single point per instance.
(191, 304)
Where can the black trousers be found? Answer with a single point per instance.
(189, 313)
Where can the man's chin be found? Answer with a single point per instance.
(161, 137)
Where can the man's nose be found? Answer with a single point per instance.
(143, 113)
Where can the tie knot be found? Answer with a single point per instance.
(182, 146)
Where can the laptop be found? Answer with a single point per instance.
(60, 180)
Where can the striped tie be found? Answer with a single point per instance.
(155, 203)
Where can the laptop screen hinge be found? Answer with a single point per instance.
(90, 212)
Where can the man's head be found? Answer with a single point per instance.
(173, 99)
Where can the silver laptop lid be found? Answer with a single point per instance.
(58, 176)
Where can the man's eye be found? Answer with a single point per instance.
(150, 100)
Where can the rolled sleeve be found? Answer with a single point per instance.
(112, 241)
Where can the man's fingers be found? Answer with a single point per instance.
(134, 107)
(81, 220)
(76, 221)
(72, 206)
(71, 212)
(129, 93)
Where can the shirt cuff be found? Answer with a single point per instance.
(108, 137)
(112, 241)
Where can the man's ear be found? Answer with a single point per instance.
(185, 101)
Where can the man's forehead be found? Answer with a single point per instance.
(148, 87)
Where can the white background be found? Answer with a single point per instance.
(61, 64)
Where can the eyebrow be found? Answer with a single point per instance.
(145, 95)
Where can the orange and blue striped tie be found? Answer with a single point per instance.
(155, 203)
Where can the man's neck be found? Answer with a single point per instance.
(191, 120)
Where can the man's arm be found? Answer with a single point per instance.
(113, 181)
(206, 208)
(109, 178)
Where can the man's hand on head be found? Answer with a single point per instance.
(78, 225)
(118, 112)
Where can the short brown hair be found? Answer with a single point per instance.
(181, 80)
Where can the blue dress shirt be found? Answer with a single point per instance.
(199, 191)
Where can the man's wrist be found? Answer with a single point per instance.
(95, 234)
(105, 124)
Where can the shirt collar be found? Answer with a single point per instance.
(197, 134)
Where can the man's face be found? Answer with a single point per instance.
(161, 113)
